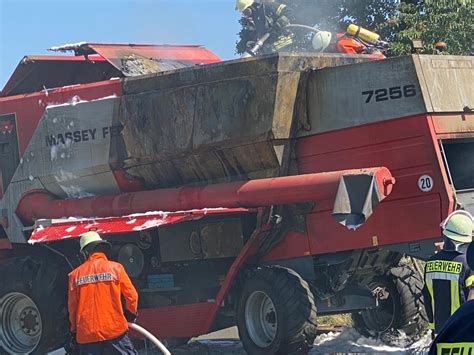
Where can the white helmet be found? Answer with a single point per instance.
(458, 226)
(241, 5)
(91, 238)
(321, 40)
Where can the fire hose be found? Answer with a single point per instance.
(150, 337)
(304, 27)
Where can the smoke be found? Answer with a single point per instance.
(324, 14)
(335, 15)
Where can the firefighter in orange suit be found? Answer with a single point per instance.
(98, 319)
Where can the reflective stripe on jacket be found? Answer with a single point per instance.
(94, 299)
(456, 337)
(268, 15)
(447, 282)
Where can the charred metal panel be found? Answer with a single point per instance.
(392, 88)
(70, 151)
(35, 73)
(289, 62)
(222, 239)
(200, 240)
(204, 121)
(219, 122)
(447, 82)
(133, 60)
(211, 166)
(134, 65)
(202, 75)
(358, 94)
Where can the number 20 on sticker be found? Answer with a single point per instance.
(425, 183)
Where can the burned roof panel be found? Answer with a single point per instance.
(98, 61)
(36, 73)
(140, 59)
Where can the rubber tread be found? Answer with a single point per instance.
(410, 315)
(46, 284)
(295, 306)
(409, 282)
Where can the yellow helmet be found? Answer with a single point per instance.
(321, 40)
(241, 5)
(458, 226)
(89, 238)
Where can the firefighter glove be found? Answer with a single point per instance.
(130, 317)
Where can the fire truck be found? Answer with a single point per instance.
(259, 192)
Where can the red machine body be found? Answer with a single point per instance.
(327, 164)
(408, 137)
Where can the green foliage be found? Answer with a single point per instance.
(397, 21)
(433, 21)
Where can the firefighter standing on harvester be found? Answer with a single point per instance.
(448, 277)
(98, 321)
(265, 22)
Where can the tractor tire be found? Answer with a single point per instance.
(401, 318)
(33, 306)
(276, 312)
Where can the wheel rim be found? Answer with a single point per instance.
(261, 319)
(381, 318)
(21, 326)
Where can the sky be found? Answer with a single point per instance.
(29, 27)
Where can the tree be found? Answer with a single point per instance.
(431, 21)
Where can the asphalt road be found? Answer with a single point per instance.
(348, 341)
(225, 341)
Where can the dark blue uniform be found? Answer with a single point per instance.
(119, 346)
(447, 282)
(457, 335)
(271, 16)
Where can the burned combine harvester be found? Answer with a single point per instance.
(256, 192)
